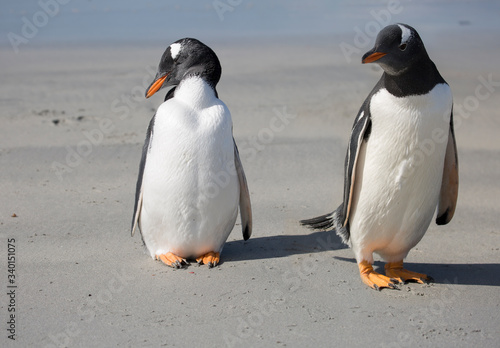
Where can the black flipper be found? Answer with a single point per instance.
(245, 205)
(360, 132)
(138, 190)
(339, 219)
(449, 185)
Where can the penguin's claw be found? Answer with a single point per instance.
(375, 280)
(171, 260)
(396, 270)
(211, 259)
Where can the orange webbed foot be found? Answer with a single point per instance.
(396, 270)
(211, 259)
(375, 280)
(171, 260)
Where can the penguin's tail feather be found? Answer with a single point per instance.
(322, 222)
(329, 220)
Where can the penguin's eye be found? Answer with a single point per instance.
(402, 47)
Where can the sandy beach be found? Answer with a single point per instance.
(72, 124)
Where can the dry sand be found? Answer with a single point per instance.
(83, 281)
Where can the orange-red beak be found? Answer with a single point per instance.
(373, 57)
(155, 86)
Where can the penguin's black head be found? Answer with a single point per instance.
(397, 48)
(186, 57)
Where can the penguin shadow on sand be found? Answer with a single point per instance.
(261, 248)
(271, 247)
(443, 273)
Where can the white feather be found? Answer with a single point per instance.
(175, 48)
(190, 189)
(405, 34)
(399, 173)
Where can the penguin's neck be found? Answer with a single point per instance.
(195, 92)
(420, 79)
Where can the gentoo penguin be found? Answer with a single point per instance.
(191, 180)
(401, 160)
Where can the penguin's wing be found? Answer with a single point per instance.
(245, 206)
(136, 219)
(360, 131)
(449, 185)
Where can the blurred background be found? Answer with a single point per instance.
(91, 21)
(73, 62)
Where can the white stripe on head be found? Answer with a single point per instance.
(405, 35)
(175, 48)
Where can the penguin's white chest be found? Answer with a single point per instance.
(399, 172)
(190, 188)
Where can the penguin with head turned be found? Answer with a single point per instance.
(191, 180)
(401, 163)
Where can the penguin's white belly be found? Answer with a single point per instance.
(399, 173)
(190, 189)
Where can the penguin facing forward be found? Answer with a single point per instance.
(191, 180)
(401, 160)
